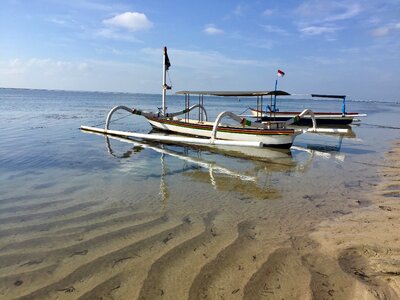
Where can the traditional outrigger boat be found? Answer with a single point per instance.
(200, 131)
(323, 118)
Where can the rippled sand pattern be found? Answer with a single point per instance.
(366, 245)
(86, 251)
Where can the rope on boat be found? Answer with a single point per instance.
(242, 113)
(170, 115)
(380, 126)
(103, 123)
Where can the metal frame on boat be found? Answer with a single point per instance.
(200, 131)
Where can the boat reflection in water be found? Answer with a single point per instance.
(252, 175)
(247, 170)
(327, 145)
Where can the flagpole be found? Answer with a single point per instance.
(276, 86)
(279, 74)
(164, 83)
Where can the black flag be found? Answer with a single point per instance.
(166, 62)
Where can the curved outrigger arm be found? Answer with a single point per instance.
(302, 114)
(235, 117)
(131, 110)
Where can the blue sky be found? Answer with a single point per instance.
(348, 47)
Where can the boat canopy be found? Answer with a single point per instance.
(235, 93)
(343, 97)
(329, 96)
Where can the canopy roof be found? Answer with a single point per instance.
(235, 93)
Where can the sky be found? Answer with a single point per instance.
(323, 46)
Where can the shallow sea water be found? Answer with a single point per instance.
(92, 216)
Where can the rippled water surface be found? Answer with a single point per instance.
(80, 212)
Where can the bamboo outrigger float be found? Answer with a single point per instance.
(200, 131)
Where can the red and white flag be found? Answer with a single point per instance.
(280, 73)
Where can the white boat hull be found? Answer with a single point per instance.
(270, 138)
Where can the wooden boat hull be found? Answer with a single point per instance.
(281, 138)
(321, 118)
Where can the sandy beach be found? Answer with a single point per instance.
(365, 245)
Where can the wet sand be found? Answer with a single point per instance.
(123, 252)
(365, 245)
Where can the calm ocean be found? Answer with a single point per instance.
(43, 148)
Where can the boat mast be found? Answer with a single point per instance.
(164, 83)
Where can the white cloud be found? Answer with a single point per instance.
(381, 31)
(328, 11)
(344, 11)
(274, 29)
(209, 69)
(268, 12)
(210, 29)
(91, 5)
(57, 21)
(248, 41)
(351, 50)
(317, 30)
(198, 59)
(322, 17)
(325, 60)
(41, 69)
(111, 33)
(238, 10)
(386, 30)
(48, 73)
(132, 21)
(373, 20)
